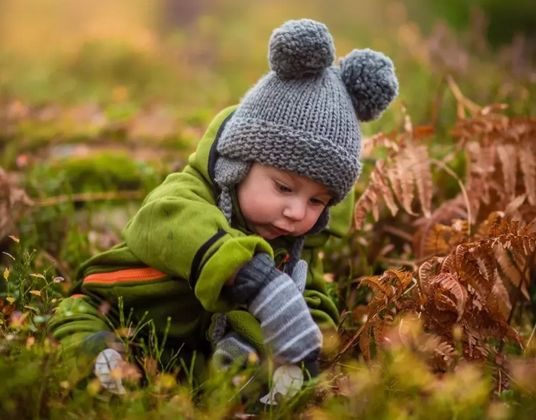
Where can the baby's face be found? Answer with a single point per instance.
(278, 203)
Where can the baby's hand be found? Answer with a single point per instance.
(108, 371)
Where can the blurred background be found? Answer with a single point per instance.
(101, 99)
(198, 56)
(104, 96)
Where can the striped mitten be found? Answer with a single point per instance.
(274, 299)
(233, 349)
(107, 367)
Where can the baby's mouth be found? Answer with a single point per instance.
(279, 231)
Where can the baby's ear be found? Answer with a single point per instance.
(369, 77)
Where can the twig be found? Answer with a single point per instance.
(350, 343)
(90, 196)
(462, 188)
(461, 99)
(396, 261)
(530, 338)
(398, 232)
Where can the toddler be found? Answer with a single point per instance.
(216, 258)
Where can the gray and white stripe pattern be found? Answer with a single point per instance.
(232, 348)
(287, 325)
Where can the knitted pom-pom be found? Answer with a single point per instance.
(370, 79)
(300, 48)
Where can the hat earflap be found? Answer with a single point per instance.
(228, 173)
(369, 77)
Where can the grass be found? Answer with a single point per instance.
(89, 128)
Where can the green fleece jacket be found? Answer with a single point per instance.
(179, 252)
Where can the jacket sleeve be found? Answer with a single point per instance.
(322, 306)
(82, 331)
(180, 231)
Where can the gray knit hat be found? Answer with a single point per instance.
(303, 115)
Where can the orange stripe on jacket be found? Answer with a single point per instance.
(127, 275)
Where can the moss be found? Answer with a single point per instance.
(105, 171)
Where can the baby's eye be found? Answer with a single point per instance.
(282, 187)
(318, 202)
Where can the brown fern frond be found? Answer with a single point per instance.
(393, 181)
(527, 163)
(448, 211)
(499, 299)
(402, 178)
(368, 202)
(490, 137)
(512, 209)
(390, 285)
(483, 255)
(422, 175)
(365, 341)
(508, 157)
(496, 225)
(509, 270)
(381, 291)
(379, 180)
(481, 166)
(448, 264)
(448, 294)
(445, 356)
(428, 269)
(399, 279)
(441, 239)
(386, 289)
(467, 267)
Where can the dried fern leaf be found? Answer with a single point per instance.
(508, 157)
(499, 300)
(509, 269)
(365, 342)
(496, 225)
(401, 177)
(449, 210)
(445, 356)
(422, 174)
(448, 264)
(428, 269)
(381, 292)
(449, 294)
(441, 239)
(527, 163)
(475, 185)
(468, 269)
(435, 242)
(514, 205)
(483, 255)
(380, 183)
(393, 175)
(368, 202)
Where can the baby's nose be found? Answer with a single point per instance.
(295, 210)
